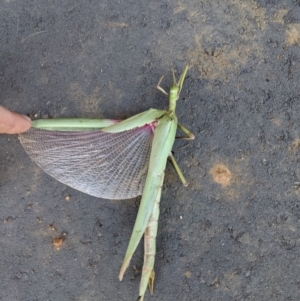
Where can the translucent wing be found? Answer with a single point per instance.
(106, 165)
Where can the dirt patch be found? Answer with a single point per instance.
(293, 34)
(221, 174)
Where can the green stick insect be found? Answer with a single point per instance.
(114, 159)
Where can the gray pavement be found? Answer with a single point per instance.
(233, 234)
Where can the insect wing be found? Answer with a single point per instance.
(106, 165)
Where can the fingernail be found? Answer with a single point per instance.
(26, 117)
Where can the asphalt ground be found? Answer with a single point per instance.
(233, 234)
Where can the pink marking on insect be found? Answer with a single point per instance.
(150, 126)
